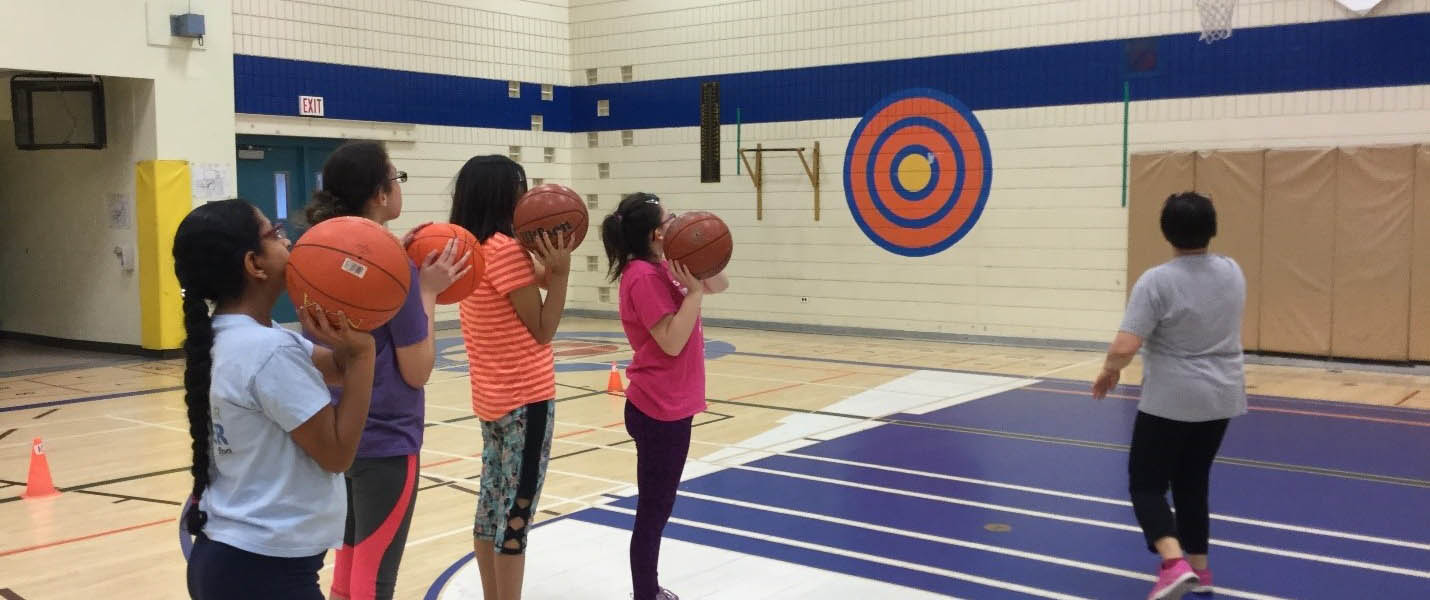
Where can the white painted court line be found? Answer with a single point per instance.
(919, 392)
(574, 560)
(990, 385)
(52, 438)
(1077, 564)
(1032, 591)
(467, 529)
(627, 488)
(1116, 502)
(164, 425)
(1098, 523)
(1009, 486)
(704, 469)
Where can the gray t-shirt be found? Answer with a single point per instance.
(267, 496)
(1188, 313)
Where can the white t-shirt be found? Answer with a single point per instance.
(266, 495)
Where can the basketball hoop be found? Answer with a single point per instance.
(1216, 19)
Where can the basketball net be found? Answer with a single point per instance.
(1216, 19)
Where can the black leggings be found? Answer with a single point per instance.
(661, 448)
(1178, 454)
(218, 571)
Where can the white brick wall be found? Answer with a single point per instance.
(512, 39)
(663, 38)
(1047, 259)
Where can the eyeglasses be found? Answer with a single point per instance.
(276, 233)
(401, 177)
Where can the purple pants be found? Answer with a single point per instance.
(661, 448)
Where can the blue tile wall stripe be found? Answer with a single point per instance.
(1355, 53)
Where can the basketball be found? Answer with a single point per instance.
(550, 208)
(434, 238)
(349, 265)
(700, 241)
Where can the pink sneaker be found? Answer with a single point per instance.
(1204, 581)
(1173, 581)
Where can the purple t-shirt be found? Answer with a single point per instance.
(396, 415)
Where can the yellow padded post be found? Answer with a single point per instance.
(163, 197)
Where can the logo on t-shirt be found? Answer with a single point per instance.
(220, 442)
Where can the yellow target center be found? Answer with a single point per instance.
(914, 172)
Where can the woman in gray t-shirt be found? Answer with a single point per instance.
(1186, 314)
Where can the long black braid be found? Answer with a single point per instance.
(209, 251)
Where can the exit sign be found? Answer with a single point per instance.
(310, 106)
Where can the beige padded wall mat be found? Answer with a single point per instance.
(1420, 261)
(1370, 315)
(1298, 251)
(1233, 180)
(1154, 177)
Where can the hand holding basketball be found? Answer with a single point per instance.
(693, 284)
(554, 252)
(345, 341)
(440, 270)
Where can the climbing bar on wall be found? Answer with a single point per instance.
(757, 173)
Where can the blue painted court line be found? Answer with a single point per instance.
(4, 409)
(1311, 500)
(1085, 543)
(1378, 448)
(1351, 549)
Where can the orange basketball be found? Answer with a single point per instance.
(349, 265)
(434, 238)
(700, 241)
(550, 208)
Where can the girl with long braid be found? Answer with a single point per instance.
(269, 448)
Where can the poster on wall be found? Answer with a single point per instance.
(211, 181)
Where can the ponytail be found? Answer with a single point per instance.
(352, 176)
(322, 207)
(198, 367)
(626, 232)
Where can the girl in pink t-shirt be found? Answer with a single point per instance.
(660, 312)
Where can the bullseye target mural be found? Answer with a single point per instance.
(917, 172)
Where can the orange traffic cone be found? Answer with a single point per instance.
(39, 484)
(613, 384)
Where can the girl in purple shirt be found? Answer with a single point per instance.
(359, 180)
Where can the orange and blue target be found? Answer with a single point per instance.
(917, 172)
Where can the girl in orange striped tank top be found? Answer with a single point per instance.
(507, 327)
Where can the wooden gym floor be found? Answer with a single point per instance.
(827, 467)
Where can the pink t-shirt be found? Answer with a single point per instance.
(664, 387)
